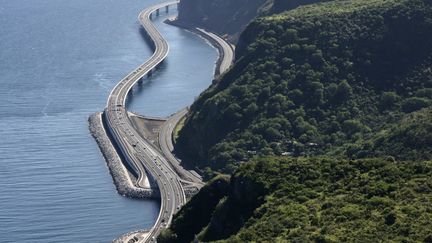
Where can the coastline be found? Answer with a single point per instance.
(207, 37)
(122, 177)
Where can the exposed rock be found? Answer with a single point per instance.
(229, 18)
(223, 17)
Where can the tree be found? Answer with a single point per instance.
(388, 100)
(343, 91)
(415, 103)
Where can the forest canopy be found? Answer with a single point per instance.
(320, 199)
(325, 125)
(312, 80)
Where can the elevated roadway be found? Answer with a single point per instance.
(141, 156)
(152, 167)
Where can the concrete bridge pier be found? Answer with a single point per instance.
(150, 73)
(157, 12)
(166, 8)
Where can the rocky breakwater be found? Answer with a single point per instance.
(122, 178)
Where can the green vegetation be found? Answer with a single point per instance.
(325, 123)
(197, 212)
(319, 199)
(312, 80)
(178, 127)
(410, 138)
(227, 17)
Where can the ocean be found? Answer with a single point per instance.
(59, 61)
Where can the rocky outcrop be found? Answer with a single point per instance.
(284, 5)
(229, 18)
(224, 17)
(121, 176)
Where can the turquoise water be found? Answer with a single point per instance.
(58, 62)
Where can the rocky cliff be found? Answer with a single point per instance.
(228, 18)
(224, 17)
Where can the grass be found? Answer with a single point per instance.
(178, 127)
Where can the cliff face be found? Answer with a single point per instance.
(228, 18)
(224, 17)
(283, 5)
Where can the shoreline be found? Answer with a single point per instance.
(213, 42)
(122, 176)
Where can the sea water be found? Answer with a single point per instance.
(59, 61)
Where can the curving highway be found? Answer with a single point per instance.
(226, 59)
(166, 145)
(142, 157)
(226, 50)
(151, 167)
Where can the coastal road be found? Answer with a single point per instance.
(227, 51)
(152, 167)
(142, 157)
(166, 145)
(226, 56)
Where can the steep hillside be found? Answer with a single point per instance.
(227, 17)
(313, 200)
(224, 17)
(409, 138)
(311, 80)
(284, 5)
(324, 122)
(196, 214)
